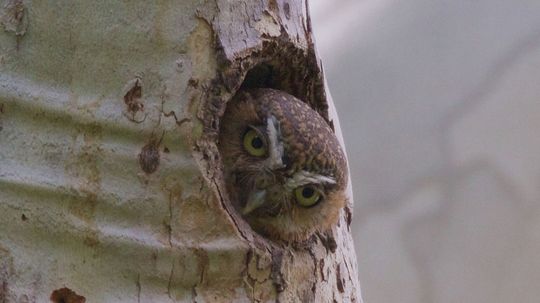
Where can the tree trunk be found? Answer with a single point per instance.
(110, 180)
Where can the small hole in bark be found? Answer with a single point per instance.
(132, 98)
(149, 156)
(23, 217)
(193, 82)
(66, 295)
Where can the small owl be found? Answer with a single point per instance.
(284, 168)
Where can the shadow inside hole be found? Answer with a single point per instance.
(260, 76)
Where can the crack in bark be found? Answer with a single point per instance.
(348, 217)
(4, 292)
(346, 265)
(169, 225)
(321, 268)
(194, 293)
(138, 285)
(248, 280)
(339, 280)
(276, 274)
(169, 284)
(233, 217)
(328, 241)
(315, 280)
(203, 262)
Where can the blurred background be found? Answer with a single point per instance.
(439, 102)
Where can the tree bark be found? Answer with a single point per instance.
(110, 181)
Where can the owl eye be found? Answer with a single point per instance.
(307, 195)
(254, 143)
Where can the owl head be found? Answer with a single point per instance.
(284, 168)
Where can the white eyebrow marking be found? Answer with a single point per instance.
(305, 177)
(275, 150)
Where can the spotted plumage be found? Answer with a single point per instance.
(284, 167)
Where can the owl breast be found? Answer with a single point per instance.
(283, 165)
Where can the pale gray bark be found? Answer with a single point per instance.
(109, 173)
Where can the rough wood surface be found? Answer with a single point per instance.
(110, 181)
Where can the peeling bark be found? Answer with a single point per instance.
(109, 152)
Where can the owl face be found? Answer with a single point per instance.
(284, 168)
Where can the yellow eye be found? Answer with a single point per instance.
(307, 195)
(254, 143)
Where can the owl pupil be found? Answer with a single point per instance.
(308, 192)
(257, 143)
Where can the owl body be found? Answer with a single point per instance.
(284, 168)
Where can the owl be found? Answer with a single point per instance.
(284, 168)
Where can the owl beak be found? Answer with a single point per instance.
(254, 201)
